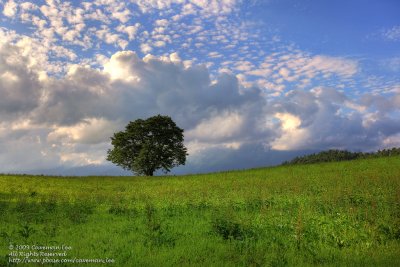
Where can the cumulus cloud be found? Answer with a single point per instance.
(87, 105)
(68, 119)
(292, 137)
(218, 128)
(89, 131)
(20, 88)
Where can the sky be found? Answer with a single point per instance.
(252, 83)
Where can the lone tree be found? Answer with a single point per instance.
(148, 145)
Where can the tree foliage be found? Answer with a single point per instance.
(148, 145)
(340, 155)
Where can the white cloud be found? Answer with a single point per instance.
(392, 34)
(174, 57)
(10, 8)
(120, 66)
(109, 37)
(284, 72)
(243, 66)
(149, 6)
(159, 44)
(214, 55)
(161, 22)
(293, 136)
(89, 131)
(80, 159)
(300, 69)
(207, 8)
(130, 30)
(214, 7)
(98, 15)
(218, 127)
(28, 6)
(340, 66)
(122, 15)
(145, 48)
(260, 72)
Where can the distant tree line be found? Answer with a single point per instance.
(341, 155)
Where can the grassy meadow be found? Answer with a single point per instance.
(328, 214)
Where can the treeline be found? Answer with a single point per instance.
(341, 155)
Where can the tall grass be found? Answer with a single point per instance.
(331, 214)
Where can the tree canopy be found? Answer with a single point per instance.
(148, 145)
(341, 155)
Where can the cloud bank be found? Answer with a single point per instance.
(66, 120)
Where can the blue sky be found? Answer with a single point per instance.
(251, 82)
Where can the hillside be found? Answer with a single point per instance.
(331, 214)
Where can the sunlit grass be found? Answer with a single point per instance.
(333, 214)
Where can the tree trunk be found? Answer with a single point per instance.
(149, 172)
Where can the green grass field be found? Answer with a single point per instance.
(332, 214)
